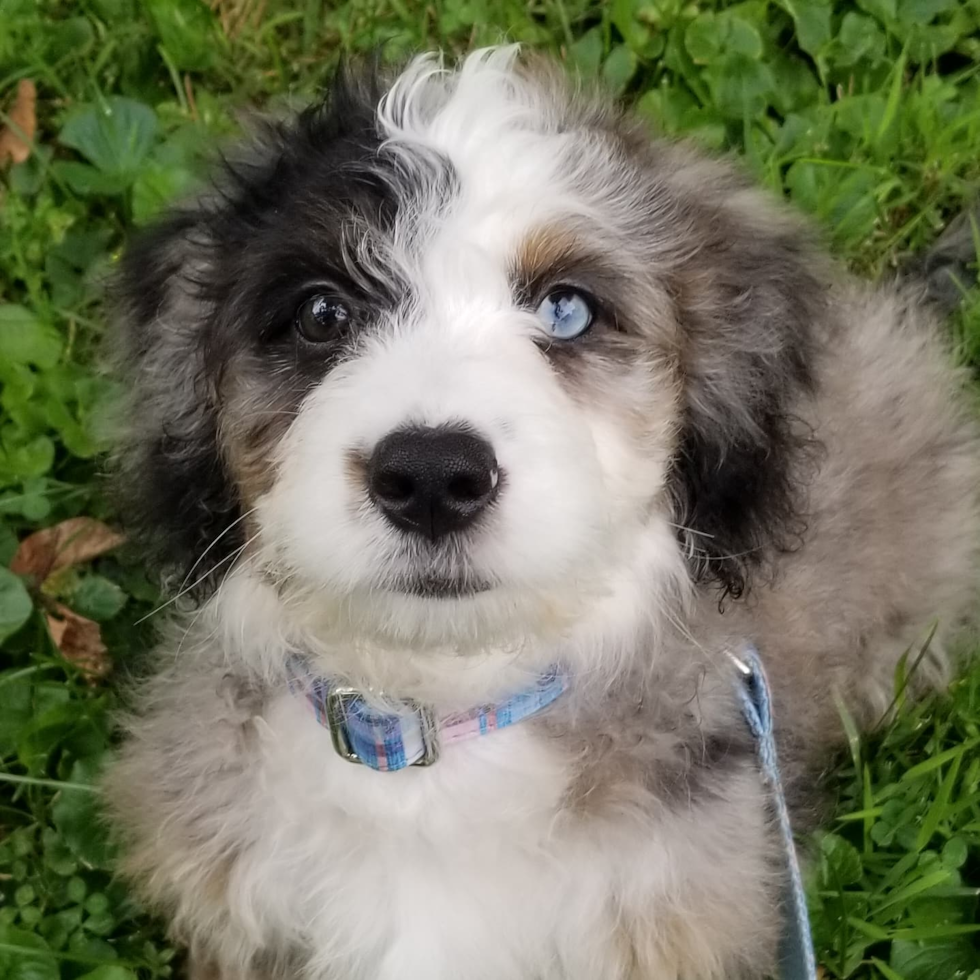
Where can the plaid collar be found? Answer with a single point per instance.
(411, 734)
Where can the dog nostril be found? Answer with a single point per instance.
(396, 487)
(470, 488)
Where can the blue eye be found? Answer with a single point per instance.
(565, 314)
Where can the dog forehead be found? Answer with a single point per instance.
(516, 166)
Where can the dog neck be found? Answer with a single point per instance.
(616, 632)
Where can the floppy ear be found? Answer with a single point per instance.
(175, 324)
(750, 299)
(172, 488)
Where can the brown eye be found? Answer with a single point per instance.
(321, 318)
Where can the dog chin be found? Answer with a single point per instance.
(419, 614)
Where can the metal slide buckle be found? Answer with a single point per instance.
(338, 705)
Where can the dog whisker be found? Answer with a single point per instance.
(190, 588)
(215, 541)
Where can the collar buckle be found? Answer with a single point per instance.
(339, 703)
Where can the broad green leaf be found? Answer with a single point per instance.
(673, 110)
(882, 10)
(99, 925)
(97, 597)
(861, 116)
(619, 68)
(76, 814)
(62, 417)
(47, 730)
(115, 136)
(186, 29)
(84, 179)
(25, 956)
(741, 37)
(81, 246)
(59, 859)
(24, 339)
(704, 38)
(928, 41)
(26, 460)
(15, 604)
(76, 890)
(638, 37)
(885, 970)
(859, 37)
(841, 861)
(27, 178)
(586, 52)
(157, 187)
(742, 88)
(812, 20)
(71, 37)
(29, 500)
(8, 546)
(934, 917)
(16, 706)
(92, 947)
(677, 59)
(114, 10)
(947, 960)
(922, 12)
(109, 972)
(955, 853)
(97, 903)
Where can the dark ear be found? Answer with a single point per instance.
(176, 329)
(172, 489)
(750, 300)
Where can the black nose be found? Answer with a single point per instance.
(432, 481)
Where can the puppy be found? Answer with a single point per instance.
(483, 429)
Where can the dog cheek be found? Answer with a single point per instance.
(550, 523)
(631, 409)
(315, 520)
(633, 469)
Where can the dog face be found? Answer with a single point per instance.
(467, 360)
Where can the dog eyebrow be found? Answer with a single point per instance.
(551, 255)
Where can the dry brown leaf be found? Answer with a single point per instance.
(16, 137)
(71, 542)
(79, 640)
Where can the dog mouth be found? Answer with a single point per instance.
(438, 587)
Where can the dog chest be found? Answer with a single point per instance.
(410, 873)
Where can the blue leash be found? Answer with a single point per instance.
(797, 960)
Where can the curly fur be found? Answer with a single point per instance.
(742, 422)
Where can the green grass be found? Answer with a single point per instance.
(866, 114)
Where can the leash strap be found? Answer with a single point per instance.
(797, 960)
